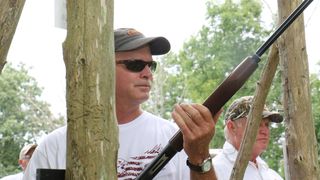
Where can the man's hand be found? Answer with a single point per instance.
(198, 127)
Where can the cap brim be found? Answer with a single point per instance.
(273, 116)
(26, 150)
(158, 45)
(31, 147)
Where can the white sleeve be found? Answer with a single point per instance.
(275, 175)
(183, 165)
(49, 154)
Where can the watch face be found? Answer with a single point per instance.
(206, 166)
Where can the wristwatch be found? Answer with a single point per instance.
(204, 167)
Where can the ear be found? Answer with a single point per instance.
(230, 125)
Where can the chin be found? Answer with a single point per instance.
(261, 146)
(144, 98)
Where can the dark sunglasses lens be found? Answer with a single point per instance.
(135, 66)
(153, 66)
(138, 65)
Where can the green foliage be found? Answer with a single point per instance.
(233, 32)
(315, 95)
(24, 118)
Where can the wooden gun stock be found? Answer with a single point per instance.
(222, 94)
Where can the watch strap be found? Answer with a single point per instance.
(204, 167)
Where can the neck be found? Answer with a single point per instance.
(253, 155)
(254, 158)
(126, 114)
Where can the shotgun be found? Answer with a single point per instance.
(222, 94)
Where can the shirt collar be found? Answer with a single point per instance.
(231, 154)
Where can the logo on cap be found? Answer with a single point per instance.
(133, 32)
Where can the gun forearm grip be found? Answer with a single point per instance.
(231, 84)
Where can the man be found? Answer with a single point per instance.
(235, 124)
(24, 157)
(142, 135)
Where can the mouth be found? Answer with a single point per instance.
(144, 87)
(262, 139)
(145, 84)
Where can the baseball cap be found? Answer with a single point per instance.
(127, 39)
(24, 151)
(241, 107)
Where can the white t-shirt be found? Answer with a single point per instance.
(17, 176)
(224, 161)
(140, 141)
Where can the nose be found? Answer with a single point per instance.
(264, 130)
(146, 72)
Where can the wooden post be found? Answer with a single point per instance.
(92, 137)
(285, 160)
(10, 12)
(300, 136)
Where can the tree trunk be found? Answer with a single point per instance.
(10, 12)
(301, 144)
(92, 137)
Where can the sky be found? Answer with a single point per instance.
(37, 42)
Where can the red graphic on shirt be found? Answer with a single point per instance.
(130, 168)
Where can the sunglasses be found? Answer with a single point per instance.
(137, 65)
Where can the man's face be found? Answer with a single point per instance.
(262, 139)
(24, 162)
(132, 88)
(263, 136)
